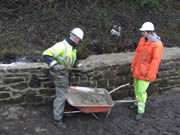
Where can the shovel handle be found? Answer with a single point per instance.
(127, 84)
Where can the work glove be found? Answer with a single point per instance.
(148, 79)
(77, 67)
(132, 70)
(58, 67)
(80, 65)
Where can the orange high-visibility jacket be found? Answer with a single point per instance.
(147, 59)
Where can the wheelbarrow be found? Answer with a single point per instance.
(92, 100)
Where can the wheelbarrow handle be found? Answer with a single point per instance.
(126, 101)
(127, 84)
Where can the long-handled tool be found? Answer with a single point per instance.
(127, 84)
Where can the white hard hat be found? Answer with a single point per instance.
(147, 26)
(78, 32)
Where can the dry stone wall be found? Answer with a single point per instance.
(28, 83)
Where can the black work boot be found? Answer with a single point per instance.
(132, 107)
(60, 124)
(139, 116)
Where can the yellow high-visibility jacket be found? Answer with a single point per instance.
(63, 53)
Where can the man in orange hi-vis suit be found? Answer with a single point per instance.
(145, 65)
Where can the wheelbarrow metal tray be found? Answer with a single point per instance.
(89, 100)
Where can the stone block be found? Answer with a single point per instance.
(123, 69)
(35, 82)
(13, 80)
(48, 92)
(2, 70)
(178, 71)
(163, 83)
(42, 75)
(102, 83)
(20, 86)
(74, 84)
(86, 83)
(176, 59)
(30, 92)
(78, 74)
(112, 83)
(33, 99)
(4, 95)
(20, 75)
(172, 73)
(45, 71)
(48, 100)
(174, 82)
(6, 102)
(178, 65)
(35, 71)
(44, 79)
(74, 79)
(165, 61)
(4, 88)
(119, 80)
(12, 70)
(114, 67)
(116, 83)
(95, 75)
(24, 70)
(18, 100)
(108, 74)
(167, 66)
(82, 78)
(164, 74)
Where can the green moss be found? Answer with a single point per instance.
(82, 51)
(114, 50)
(50, 25)
(171, 31)
(13, 45)
(171, 26)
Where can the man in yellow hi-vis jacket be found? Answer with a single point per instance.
(60, 57)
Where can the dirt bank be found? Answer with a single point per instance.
(162, 117)
(28, 27)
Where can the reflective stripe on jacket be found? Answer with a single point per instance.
(63, 53)
(147, 59)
